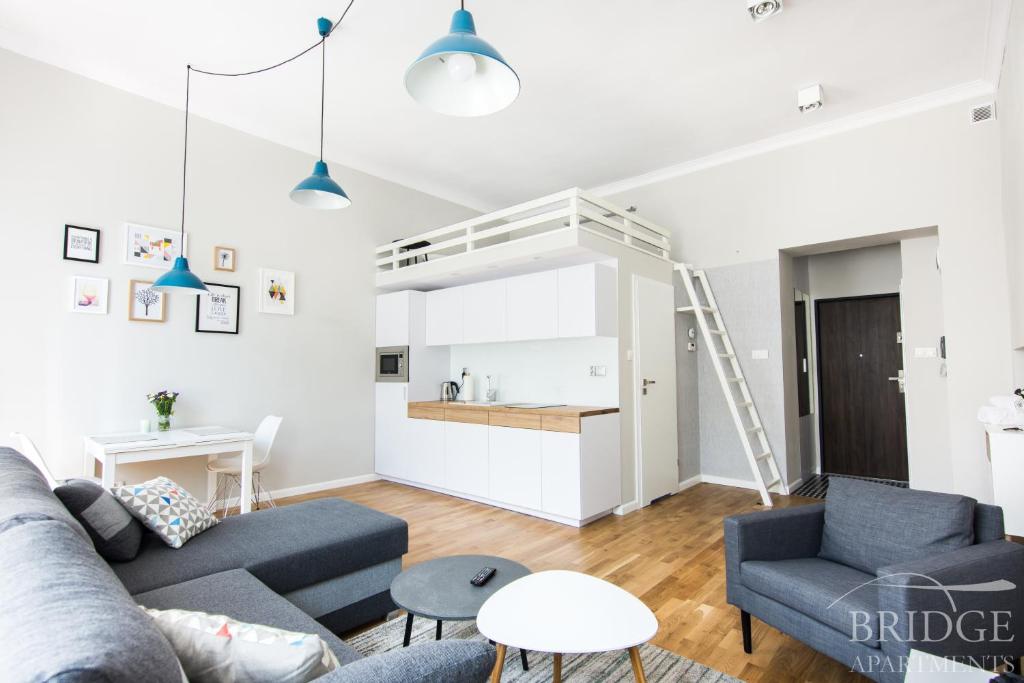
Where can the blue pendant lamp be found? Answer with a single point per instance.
(179, 278)
(319, 191)
(461, 74)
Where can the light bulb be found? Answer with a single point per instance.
(461, 66)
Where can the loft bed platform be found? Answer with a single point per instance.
(565, 228)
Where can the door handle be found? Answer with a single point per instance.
(649, 381)
(901, 382)
(646, 382)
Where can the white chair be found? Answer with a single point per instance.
(29, 450)
(229, 469)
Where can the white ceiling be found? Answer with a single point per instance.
(610, 89)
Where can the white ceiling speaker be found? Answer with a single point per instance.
(810, 98)
(763, 9)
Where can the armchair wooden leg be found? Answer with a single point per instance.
(745, 622)
(556, 674)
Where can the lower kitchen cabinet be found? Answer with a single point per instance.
(466, 458)
(390, 429)
(560, 474)
(425, 452)
(515, 466)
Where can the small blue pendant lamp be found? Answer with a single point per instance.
(319, 191)
(179, 278)
(461, 74)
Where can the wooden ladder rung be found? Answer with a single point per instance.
(754, 430)
(722, 332)
(735, 379)
(691, 309)
(727, 355)
(772, 483)
(746, 404)
(763, 456)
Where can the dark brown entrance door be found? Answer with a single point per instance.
(863, 419)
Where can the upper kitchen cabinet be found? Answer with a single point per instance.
(484, 312)
(393, 319)
(445, 316)
(587, 301)
(531, 306)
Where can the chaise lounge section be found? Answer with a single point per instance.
(318, 567)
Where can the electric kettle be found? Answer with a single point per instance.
(449, 391)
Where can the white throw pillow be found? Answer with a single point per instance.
(166, 508)
(214, 648)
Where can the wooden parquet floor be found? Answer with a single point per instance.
(670, 555)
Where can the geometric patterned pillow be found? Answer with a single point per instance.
(213, 648)
(166, 509)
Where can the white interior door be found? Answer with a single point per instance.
(654, 349)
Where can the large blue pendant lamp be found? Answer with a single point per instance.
(179, 278)
(319, 191)
(461, 74)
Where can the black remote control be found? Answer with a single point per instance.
(483, 576)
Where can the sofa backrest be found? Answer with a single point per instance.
(870, 525)
(988, 523)
(64, 615)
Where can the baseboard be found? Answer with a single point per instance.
(794, 485)
(689, 483)
(312, 488)
(728, 481)
(625, 508)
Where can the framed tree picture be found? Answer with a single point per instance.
(277, 291)
(152, 247)
(145, 304)
(224, 259)
(218, 312)
(81, 244)
(89, 294)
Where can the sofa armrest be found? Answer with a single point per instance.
(966, 602)
(452, 661)
(772, 535)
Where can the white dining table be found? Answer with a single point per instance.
(111, 450)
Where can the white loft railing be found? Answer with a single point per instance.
(567, 210)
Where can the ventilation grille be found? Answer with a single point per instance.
(983, 112)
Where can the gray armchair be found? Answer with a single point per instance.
(876, 571)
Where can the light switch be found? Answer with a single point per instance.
(925, 352)
(598, 370)
(759, 354)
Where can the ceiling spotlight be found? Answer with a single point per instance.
(763, 9)
(810, 98)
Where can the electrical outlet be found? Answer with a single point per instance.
(598, 370)
(691, 346)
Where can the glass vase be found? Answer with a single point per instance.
(163, 423)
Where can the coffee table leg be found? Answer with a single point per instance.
(522, 659)
(556, 675)
(638, 665)
(499, 664)
(408, 629)
(437, 635)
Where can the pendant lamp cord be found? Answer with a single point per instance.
(184, 159)
(323, 90)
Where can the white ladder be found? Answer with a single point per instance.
(720, 348)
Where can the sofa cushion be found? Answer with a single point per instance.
(66, 617)
(830, 593)
(114, 532)
(240, 595)
(870, 525)
(166, 509)
(24, 492)
(286, 548)
(214, 648)
(451, 661)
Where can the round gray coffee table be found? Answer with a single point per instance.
(440, 589)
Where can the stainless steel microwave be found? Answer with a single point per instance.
(392, 363)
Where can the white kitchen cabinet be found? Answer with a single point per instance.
(466, 458)
(587, 301)
(425, 452)
(483, 312)
(531, 306)
(391, 430)
(515, 466)
(444, 324)
(560, 474)
(392, 320)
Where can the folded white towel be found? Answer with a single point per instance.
(1003, 401)
(1003, 417)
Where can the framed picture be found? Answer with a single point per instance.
(89, 294)
(218, 312)
(276, 292)
(145, 304)
(151, 247)
(81, 244)
(224, 259)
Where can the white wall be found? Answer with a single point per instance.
(926, 169)
(76, 151)
(550, 370)
(1010, 112)
(854, 272)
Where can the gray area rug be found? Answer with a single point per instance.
(659, 664)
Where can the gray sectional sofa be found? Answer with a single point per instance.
(318, 567)
(877, 571)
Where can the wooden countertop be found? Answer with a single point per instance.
(554, 419)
